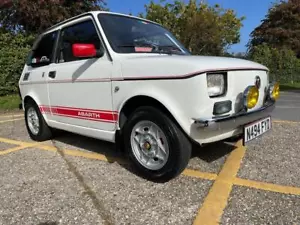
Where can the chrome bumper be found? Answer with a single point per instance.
(236, 120)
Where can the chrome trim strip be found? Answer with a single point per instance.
(210, 121)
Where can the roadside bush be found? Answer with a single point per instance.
(13, 52)
(283, 64)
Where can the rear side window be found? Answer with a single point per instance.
(43, 52)
(84, 32)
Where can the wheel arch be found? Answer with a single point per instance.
(136, 101)
(27, 99)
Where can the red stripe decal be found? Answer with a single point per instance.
(86, 114)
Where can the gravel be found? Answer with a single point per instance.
(251, 206)
(41, 187)
(37, 188)
(274, 158)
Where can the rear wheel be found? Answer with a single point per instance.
(155, 144)
(35, 123)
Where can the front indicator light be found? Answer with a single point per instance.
(251, 96)
(222, 107)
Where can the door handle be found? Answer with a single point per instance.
(52, 74)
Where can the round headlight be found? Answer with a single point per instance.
(251, 97)
(275, 91)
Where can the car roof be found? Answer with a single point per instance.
(94, 13)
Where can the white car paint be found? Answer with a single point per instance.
(87, 96)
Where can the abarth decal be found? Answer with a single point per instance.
(79, 113)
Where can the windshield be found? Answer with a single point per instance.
(130, 35)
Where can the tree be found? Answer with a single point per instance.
(204, 29)
(280, 28)
(35, 16)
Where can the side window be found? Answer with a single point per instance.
(42, 54)
(81, 33)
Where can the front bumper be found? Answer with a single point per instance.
(219, 128)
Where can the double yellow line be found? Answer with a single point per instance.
(12, 118)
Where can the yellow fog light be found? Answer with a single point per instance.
(274, 92)
(251, 97)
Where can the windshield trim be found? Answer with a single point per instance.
(171, 37)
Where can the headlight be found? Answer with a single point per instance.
(215, 84)
(274, 91)
(251, 95)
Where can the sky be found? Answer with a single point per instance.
(253, 10)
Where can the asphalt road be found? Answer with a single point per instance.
(77, 180)
(288, 106)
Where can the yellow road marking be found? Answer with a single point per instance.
(15, 142)
(6, 121)
(18, 148)
(267, 186)
(199, 174)
(231, 164)
(11, 116)
(286, 121)
(216, 200)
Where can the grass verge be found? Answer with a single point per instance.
(287, 87)
(9, 102)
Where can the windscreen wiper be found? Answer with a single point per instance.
(157, 49)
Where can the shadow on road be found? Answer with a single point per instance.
(213, 152)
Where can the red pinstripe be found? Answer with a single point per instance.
(180, 76)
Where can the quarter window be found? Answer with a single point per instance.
(42, 54)
(84, 33)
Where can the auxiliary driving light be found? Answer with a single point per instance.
(251, 95)
(274, 91)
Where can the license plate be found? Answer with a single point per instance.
(256, 129)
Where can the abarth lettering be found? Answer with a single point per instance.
(89, 114)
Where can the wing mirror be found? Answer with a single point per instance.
(86, 51)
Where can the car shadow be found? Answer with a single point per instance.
(114, 154)
(83, 68)
(214, 151)
(83, 143)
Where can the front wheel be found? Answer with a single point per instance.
(155, 144)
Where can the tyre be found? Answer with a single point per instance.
(35, 123)
(155, 144)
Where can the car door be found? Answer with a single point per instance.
(80, 87)
(35, 73)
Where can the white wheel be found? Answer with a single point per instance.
(33, 121)
(155, 144)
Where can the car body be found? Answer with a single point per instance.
(107, 75)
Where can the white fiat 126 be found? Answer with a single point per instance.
(129, 81)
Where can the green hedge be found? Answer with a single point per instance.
(13, 52)
(283, 64)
